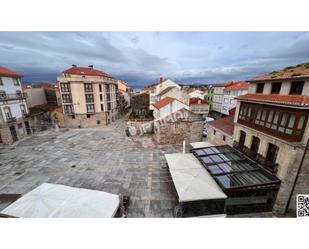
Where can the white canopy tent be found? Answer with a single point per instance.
(191, 180)
(59, 201)
(198, 145)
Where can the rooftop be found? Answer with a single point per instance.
(163, 102)
(86, 71)
(292, 72)
(224, 124)
(237, 85)
(165, 90)
(8, 72)
(296, 100)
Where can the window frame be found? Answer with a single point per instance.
(258, 85)
(293, 83)
(275, 87)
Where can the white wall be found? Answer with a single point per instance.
(36, 96)
(165, 84)
(197, 94)
(8, 85)
(169, 109)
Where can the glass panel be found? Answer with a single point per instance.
(207, 160)
(214, 169)
(301, 123)
(291, 121)
(225, 167)
(200, 152)
(216, 158)
(270, 116)
(226, 181)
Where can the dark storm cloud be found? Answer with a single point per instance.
(142, 57)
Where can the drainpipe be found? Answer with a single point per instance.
(297, 174)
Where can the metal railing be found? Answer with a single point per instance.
(11, 96)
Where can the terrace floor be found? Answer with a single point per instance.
(101, 159)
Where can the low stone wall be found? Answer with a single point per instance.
(175, 132)
(94, 120)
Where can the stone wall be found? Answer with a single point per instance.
(94, 120)
(288, 159)
(218, 138)
(20, 128)
(174, 132)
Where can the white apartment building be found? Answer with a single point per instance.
(231, 91)
(14, 114)
(217, 100)
(88, 97)
(167, 106)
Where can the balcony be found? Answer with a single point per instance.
(11, 120)
(26, 115)
(258, 158)
(4, 96)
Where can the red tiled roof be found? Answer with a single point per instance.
(294, 72)
(280, 99)
(225, 125)
(163, 102)
(86, 71)
(165, 90)
(238, 85)
(7, 72)
(197, 101)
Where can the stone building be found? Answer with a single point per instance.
(220, 131)
(272, 128)
(14, 113)
(88, 97)
(177, 127)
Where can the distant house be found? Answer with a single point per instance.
(199, 106)
(196, 93)
(231, 91)
(167, 106)
(220, 131)
(218, 92)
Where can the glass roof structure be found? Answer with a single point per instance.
(233, 171)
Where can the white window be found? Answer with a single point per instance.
(7, 112)
(16, 81)
(23, 109)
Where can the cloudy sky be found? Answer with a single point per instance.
(140, 58)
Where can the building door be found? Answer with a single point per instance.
(28, 129)
(13, 133)
(271, 155)
(255, 145)
(242, 139)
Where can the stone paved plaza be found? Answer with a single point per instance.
(101, 159)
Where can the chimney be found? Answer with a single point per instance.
(91, 66)
(73, 65)
(161, 80)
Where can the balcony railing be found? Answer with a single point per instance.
(26, 115)
(11, 119)
(4, 96)
(258, 158)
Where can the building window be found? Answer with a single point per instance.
(108, 97)
(271, 155)
(1, 82)
(223, 138)
(101, 97)
(100, 87)
(23, 109)
(88, 87)
(260, 87)
(90, 108)
(16, 82)
(275, 87)
(215, 132)
(107, 87)
(18, 93)
(296, 87)
(7, 112)
(88, 115)
(102, 107)
(65, 87)
(109, 106)
(281, 122)
(66, 98)
(68, 109)
(89, 98)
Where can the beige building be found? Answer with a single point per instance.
(272, 128)
(88, 97)
(36, 96)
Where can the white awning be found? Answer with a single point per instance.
(59, 201)
(191, 180)
(198, 145)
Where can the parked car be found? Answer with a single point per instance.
(205, 132)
